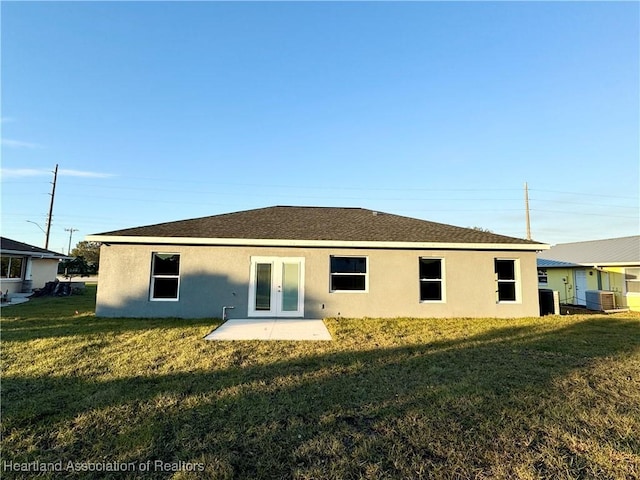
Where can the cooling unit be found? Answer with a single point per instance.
(600, 300)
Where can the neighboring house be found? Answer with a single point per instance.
(608, 265)
(25, 267)
(314, 262)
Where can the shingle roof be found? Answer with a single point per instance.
(596, 252)
(6, 245)
(318, 223)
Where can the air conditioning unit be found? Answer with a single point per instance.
(600, 300)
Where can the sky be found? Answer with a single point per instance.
(163, 111)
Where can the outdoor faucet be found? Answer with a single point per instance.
(224, 312)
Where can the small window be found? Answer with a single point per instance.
(165, 276)
(11, 267)
(632, 280)
(431, 284)
(506, 279)
(348, 274)
(543, 277)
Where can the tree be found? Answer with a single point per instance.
(76, 267)
(481, 229)
(89, 251)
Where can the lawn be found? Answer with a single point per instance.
(553, 397)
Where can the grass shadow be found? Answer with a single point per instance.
(57, 317)
(485, 405)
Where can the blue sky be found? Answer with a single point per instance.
(166, 111)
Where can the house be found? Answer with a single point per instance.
(606, 265)
(25, 267)
(314, 262)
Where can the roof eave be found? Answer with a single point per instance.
(25, 253)
(590, 264)
(610, 264)
(268, 242)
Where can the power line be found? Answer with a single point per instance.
(586, 194)
(564, 202)
(320, 187)
(299, 186)
(585, 213)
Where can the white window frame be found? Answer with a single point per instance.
(516, 281)
(543, 276)
(365, 274)
(154, 277)
(22, 267)
(625, 282)
(442, 280)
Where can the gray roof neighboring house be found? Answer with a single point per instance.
(612, 251)
(291, 224)
(8, 246)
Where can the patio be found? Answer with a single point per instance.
(270, 329)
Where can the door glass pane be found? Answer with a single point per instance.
(290, 278)
(263, 286)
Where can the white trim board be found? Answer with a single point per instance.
(268, 242)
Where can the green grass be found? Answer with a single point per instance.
(553, 397)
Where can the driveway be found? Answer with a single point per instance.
(270, 329)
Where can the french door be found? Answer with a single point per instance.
(276, 287)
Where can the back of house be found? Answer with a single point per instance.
(314, 262)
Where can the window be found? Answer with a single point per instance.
(506, 278)
(165, 276)
(431, 280)
(543, 277)
(632, 280)
(11, 267)
(348, 274)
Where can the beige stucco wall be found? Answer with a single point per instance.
(10, 285)
(43, 270)
(212, 277)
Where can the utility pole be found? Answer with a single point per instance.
(70, 230)
(526, 206)
(53, 195)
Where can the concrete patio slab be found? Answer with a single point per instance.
(270, 329)
(15, 299)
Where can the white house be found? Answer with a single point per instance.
(24, 267)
